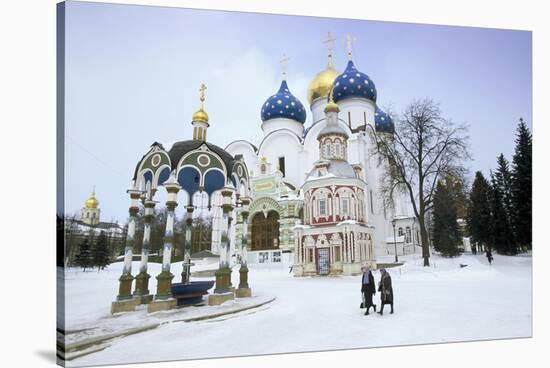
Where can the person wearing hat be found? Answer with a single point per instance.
(386, 290)
(368, 289)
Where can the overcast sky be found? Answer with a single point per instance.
(133, 73)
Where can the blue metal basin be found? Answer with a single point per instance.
(191, 293)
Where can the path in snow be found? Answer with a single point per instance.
(438, 304)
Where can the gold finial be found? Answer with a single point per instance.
(201, 115)
(329, 41)
(284, 65)
(350, 40)
(331, 105)
(263, 158)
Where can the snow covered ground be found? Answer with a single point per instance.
(441, 303)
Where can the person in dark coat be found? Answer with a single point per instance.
(386, 290)
(368, 288)
(489, 255)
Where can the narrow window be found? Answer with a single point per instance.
(345, 206)
(349, 119)
(282, 165)
(322, 207)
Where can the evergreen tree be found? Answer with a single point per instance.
(503, 179)
(522, 186)
(501, 232)
(479, 211)
(445, 233)
(84, 257)
(100, 253)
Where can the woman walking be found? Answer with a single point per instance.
(386, 290)
(368, 289)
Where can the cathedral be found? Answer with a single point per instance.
(316, 200)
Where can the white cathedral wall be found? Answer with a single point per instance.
(272, 125)
(245, 149)
(283, 143)
(357, 110)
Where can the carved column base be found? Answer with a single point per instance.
(161, 305)
(217, 299)
(243, 277)
(164, 283)
(243, 292)
(128, 305)
(142, 284)
(125, 287)
(223, 280)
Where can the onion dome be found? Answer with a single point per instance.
(91, 202)
(200, 115)
(283, 104)
(383, 123)
(321, 84)
(353, 83)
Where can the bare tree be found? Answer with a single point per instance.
(424, 148)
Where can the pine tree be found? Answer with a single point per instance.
(503, 178)
(479, 211)
(501, 232)
(445, 233)
(84, 257)
(100, 253)
(522, 186)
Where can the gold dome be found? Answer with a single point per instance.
(321, 85)
(92, 202)
(200, 115)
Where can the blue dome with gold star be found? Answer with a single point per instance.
(383, 123)
(283, 104)
(353, 83)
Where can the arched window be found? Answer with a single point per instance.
(400, 231)
(408, 234)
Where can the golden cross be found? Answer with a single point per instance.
(284, 64)
(329, 41)
(350, 40)
(202, 90)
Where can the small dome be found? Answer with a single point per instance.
(322, 83)
(91, 202)
(200, 115)
(283, 104)
(383, 122)
(353, 83)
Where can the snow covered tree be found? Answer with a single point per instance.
(522, 186)
(100, 252)
(445, 235)
(479, 211)
(424, 148)
(501, 231)
(84, 257)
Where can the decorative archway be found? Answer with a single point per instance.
(265, 231)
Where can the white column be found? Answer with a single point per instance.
(148, 218)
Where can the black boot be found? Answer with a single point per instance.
(381, 310)
(374, 306)
(391, 312)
